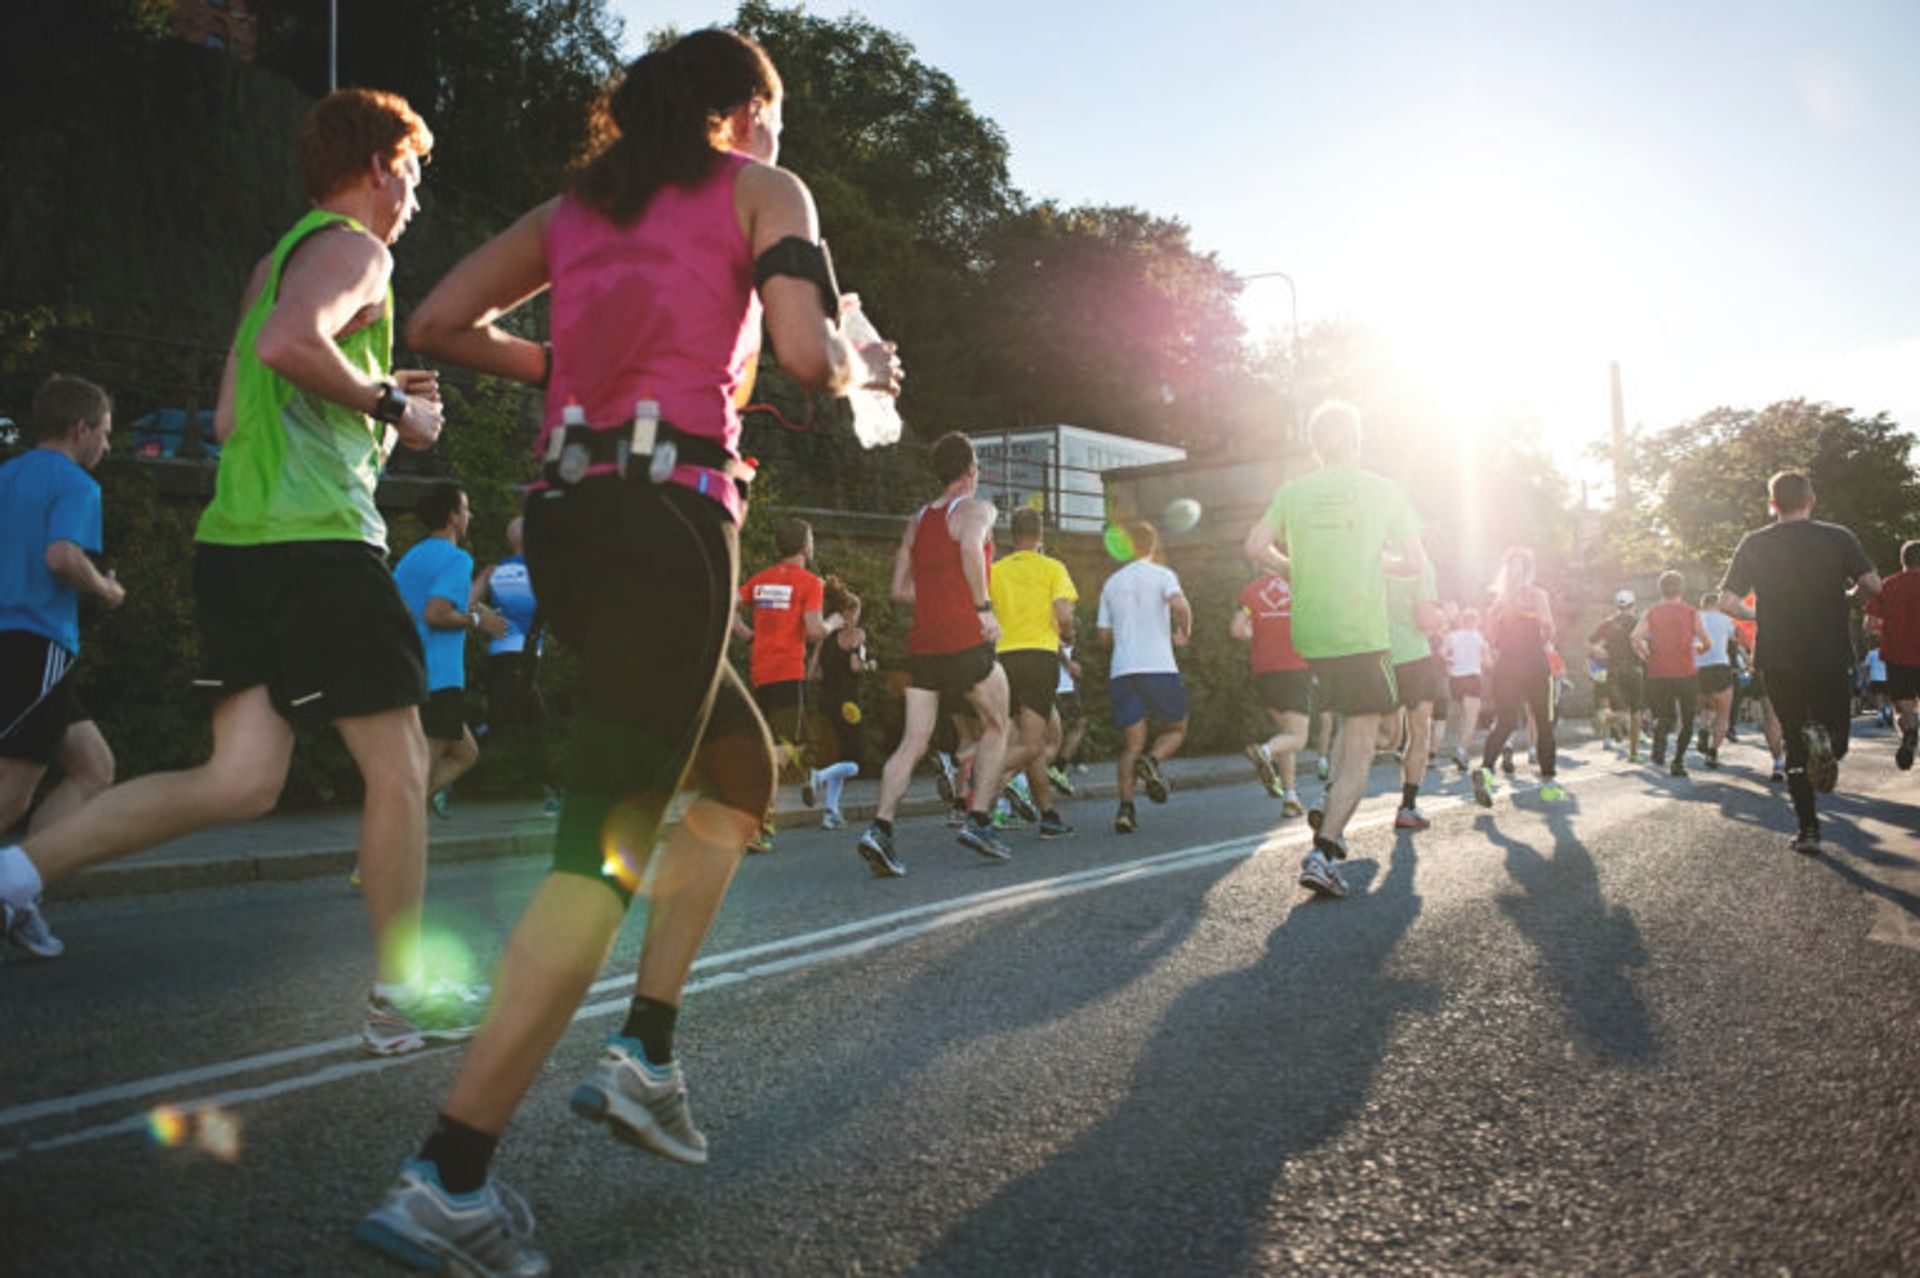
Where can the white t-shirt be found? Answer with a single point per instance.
(1466, 650)
(1133, 604)
(1876, 667)
(1719, 630)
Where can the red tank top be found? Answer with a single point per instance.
(944, 618)
(1670, 640)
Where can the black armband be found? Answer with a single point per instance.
(546, 365)
(803, 260)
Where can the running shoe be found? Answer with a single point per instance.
(1460, 759)
(946, 777)
(1021, 799)
(442, 1012)
(440, 803)
(1822, 768)
(1779, 774)
(956, 816)
(1276, 790)
(1322, 768)
(1318, 873)
(810, 789)
(876, 845)
(1678, 769)
(1807, 842)
(1704, 740)
(1061, 781)
(1263, 766)
(1903, 755)
(27, 931)
(1147, 769)
(1713, 760)
(641, 1103)
(1054, 826)
(761, 844)
(353, 879)
(484, 1234)
(982, 839)
(1552, 791)
(1506, 762)
(1290, 805)
(1124, 821)
(1003, 817)
(1411, 819)
(551, 807)
(1483, 787)
(831, 820)
(1659, 755)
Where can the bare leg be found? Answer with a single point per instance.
(989, 701)
(1284, 746)
(1419, 742)
(1353, 755)
(923, 707)
(1168, 742)
(391, 752)
(451, 760)
(19, 778)
(1133, 740)
(86, 767)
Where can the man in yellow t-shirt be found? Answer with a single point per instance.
(1033, 598)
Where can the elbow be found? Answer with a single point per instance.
(427, 331)
(277, 348)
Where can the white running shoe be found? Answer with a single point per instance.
(422, 1225)
(26, 930)
(1318, 873)
(642, 1103)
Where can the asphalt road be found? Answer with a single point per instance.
(1628, 1034)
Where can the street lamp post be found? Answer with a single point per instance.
(333, 46)
(1293, 309)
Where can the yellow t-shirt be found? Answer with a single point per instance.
(1023, 587)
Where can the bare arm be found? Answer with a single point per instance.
(442, 614)
(1262, 547)
(741, 630)
(1241, 627)
(1702, 641)
(1640, 638)
(71, 567)
(816, 626)
(1865, 586)
(1734, 605)
(971, 525)
(1182, 619)
(1064, 623)
(903, 565)
(458, 322)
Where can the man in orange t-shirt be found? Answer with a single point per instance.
(785, 602)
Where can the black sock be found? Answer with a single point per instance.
(461, 1153)
(1051, 814)
(979, 819)
(1330, 847)
(884, 826)
(1408, 794)
(1800, 787)
(651, 1021)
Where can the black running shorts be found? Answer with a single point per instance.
(1800, 698)
(1359, 684)
(1626, 690)
(443, 716)
(1462, 686)
(784, 706)
(1715, 679)
(37, 701)
(1414, 684)
(1284, 691)
(955, 673)
(320, 623)
(1033, 678)
(1903, 682)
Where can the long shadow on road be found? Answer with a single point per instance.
(1246, 1072)
(1587, 946)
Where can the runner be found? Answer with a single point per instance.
(942, 568)
(839, 662)
(436, 582)
(1716, 677)
(1803, 572)
(1626, 678)
(1669, 639)
(1894, 615)
(654, 255)
(1337, 525)
(298, 614)
(1264, 621)
(1466, 650)
(514, 704)
(49, 525)
(1413, 614)
(786, 602)
(1521, 627)
(1069, 725)
(1143, 617)
(1033, 596)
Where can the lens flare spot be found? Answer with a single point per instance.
(166, 1127)
(625, 846)
(217, 1134)
(1181, 515)
(445, 958)
(1117, 542)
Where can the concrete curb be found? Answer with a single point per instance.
(533, 838)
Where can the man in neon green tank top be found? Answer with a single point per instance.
(298, 614)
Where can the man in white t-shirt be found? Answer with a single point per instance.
(1143, 616)
(1466, 650)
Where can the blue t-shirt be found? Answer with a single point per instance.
(437, 569)
(45, 496)
(512, 591)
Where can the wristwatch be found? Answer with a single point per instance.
(392, 404)
(984, 607)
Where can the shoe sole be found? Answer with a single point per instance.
(1055, 834)
(1321, 887)
(883, 866)
(1156, 785)
(637, 1128)
(944, 784)
(394, 1245)
(983, 848)
(1413, 826)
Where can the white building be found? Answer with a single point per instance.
(1059, 469)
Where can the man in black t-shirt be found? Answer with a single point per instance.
(1804, 574)
(1626, 676)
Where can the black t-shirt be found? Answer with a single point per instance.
(1800, 572)
(1616, 635)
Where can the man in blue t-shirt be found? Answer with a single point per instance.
(49, 525)
(436, 581)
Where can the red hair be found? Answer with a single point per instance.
(347, 128)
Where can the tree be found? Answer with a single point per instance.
(1700, 484)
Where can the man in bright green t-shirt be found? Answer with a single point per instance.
(1342, 529)
(298, 614)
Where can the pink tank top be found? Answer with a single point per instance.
(944, 618)
(663, 308)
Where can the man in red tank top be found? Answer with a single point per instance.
(1667, 639)
(1894, 618)
(941, 569)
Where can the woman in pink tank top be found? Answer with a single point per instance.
(660, 257)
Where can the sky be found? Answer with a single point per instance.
(1718, 195)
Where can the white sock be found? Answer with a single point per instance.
(395, 993)
(833, 777)
(19, 877)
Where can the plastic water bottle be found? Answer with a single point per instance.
(876, 414)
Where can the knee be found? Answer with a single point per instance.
(737, 773)
(245, 793)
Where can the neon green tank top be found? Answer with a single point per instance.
(297, 467)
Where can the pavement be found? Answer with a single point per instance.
(322, 842)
